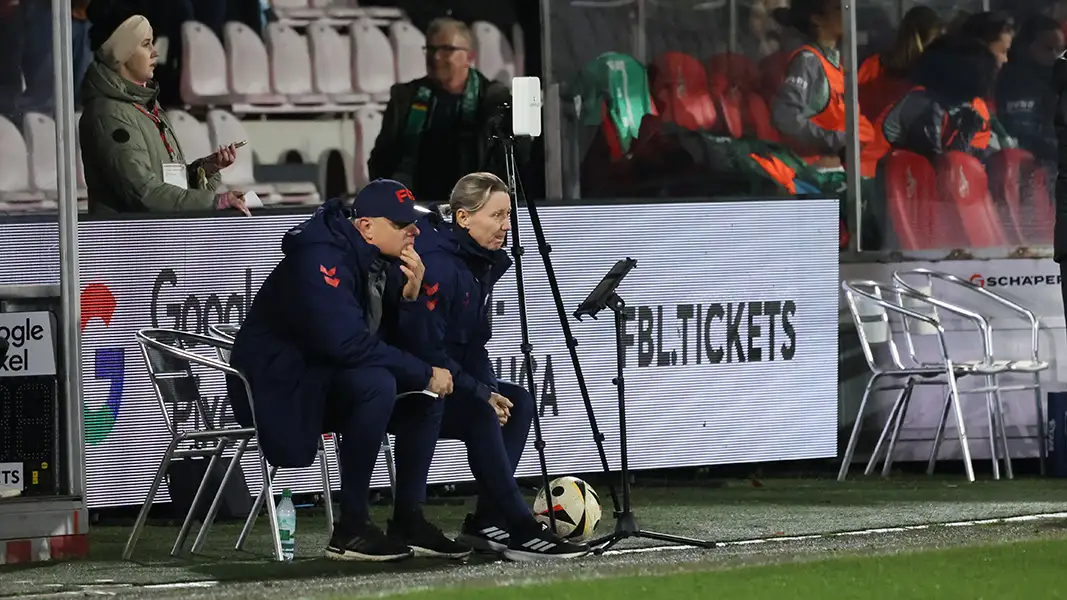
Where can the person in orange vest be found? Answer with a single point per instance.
(809, 108)
(940, 112)
(885, 77)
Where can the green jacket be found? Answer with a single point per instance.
(123, 153)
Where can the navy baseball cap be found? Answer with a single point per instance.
(389, 199)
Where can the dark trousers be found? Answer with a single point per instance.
(26, 54)
(359, 406)
(493, 451)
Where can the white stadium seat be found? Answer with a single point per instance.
(227, 129)
(373, 64)
(290, 65)
(331, 58)
(495, 58)
(41, 142)
(368, 125)
(204, 80)
(409, 48)
(15, 186)
(249, 66)
(192, 135)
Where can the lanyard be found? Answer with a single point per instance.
(154, 116)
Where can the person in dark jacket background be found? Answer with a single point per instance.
(1026, 93)
(450, 325)
(310, 350)
(438, 128)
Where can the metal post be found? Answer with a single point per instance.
(62, 60)
(640, 35)
(734, 44)
(552, 110)
(852, 115)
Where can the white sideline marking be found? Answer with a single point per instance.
(180, 586)
(875, 531)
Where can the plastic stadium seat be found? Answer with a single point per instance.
(911, 202)
(249, 66)
(680, 89)
(614, 94)
(757, 118)
(731, 106)
(227, 129)
(495, 57)
(732, 68)
(192, 134)
(331, 56)
(368, 125)
(204, 80)
(1020, 191)
(290, 65)
(408, 48)
(41, 143)
(373, 64)
(14, 166)
(962, 179)
(772, 70)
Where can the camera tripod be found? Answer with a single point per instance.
(626, 523)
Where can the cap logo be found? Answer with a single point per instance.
(405, 194)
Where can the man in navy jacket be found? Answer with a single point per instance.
(310, 351)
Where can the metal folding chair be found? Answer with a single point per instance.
(170, 367)
(989, 366)
(875, 307)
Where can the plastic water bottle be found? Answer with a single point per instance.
(287, 524)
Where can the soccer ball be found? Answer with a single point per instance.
(576, 506)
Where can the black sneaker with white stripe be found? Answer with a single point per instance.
(536, 542)
(483, 534)
(365, 543)
(425, 539)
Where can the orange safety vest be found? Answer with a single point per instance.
(872, 151)
(832, 116)
(981, 140)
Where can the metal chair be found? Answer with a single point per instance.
(989, 366)
(874, 306)
(228, 333)
(170, 367)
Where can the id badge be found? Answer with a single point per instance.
(175, 174)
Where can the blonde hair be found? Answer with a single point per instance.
(448, 23)
(472, 191)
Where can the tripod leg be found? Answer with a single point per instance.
(572, 343)
(527, 348)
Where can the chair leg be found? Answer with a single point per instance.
(850, 450)
(327, 493)
(272, 510)
(897, 426)
(1042, 426)
(994, 451)
(1002, 430)
(258, 504)
(187, 524)
(965, 448)
(940, 435)
(142, 516)
(387, 447)
(885, 431)
(212, 512)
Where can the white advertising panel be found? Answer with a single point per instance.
(731, 356)
(31, 347)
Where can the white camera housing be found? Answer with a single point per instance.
(526, 105)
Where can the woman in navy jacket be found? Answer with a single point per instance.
(450, 324)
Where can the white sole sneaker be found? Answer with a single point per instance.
(421, 552)
(534, 556)
(350, 556)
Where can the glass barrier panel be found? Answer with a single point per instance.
(962, 151)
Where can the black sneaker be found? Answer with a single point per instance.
(367, 543)
(536, 542)
(425, 539)
(483, 535)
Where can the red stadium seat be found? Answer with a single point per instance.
(731, 106)
(962, 179)
(680, 91)
(1020, 191)
(772, 70)
(757, 118)
(912, 203)
(733, 69)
